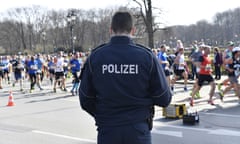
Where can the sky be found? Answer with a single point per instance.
(174, 12)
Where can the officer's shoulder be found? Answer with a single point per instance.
(98, 47)
(144, 47)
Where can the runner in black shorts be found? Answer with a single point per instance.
(205, 74)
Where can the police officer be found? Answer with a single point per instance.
(120, 83)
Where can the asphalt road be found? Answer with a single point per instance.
(44, 117)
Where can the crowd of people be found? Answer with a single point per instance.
(203, 66)
(54, 68)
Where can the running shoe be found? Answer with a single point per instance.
(54, 90)
(197, 95)
(210, 102)
(221, 95)
(185, 89)
(73, 93)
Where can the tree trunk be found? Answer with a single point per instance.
(150, 24)
(22, 36)
(151, 39)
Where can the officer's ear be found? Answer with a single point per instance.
(133, 30)
(111, 31)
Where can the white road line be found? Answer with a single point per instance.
(225, 132)
(222, 115)
(64, 136)
(178, 127)
(71, 100)
(209, 131)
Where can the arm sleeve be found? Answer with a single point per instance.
(159, 88)
(87, 94)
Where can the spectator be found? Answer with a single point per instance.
(193, 53)
(217, 63)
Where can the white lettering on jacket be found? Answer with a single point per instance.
(120, 68)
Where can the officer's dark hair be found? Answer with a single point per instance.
(122, 22)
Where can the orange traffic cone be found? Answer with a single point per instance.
(10, 99)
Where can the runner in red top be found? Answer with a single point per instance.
(205, 75)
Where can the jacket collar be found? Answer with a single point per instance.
(122, 39)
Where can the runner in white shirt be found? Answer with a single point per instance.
(181, 69)
(59, 72)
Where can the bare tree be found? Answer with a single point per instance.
(8, 36)
(29, 22)
(145, 9)
(22, 28)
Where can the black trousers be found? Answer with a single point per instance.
(217, 72)
(33, 79)
(138, 133)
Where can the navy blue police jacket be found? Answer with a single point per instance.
(120, 81)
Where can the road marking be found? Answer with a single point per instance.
(209, 131)
(225, 132)
(222, 115)
(169, 133)
(178, 127)
(71, 100)
(64, 136)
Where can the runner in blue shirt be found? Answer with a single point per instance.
(32, 71)
(75, 70)
(39, 60)
(163, 59)
(51, 67)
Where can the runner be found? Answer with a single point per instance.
(75, 70)
(195, 60)
(205, 74)
(18, 69)
(233, 73)
(59, 72)
(180, 70)
(227, 56)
